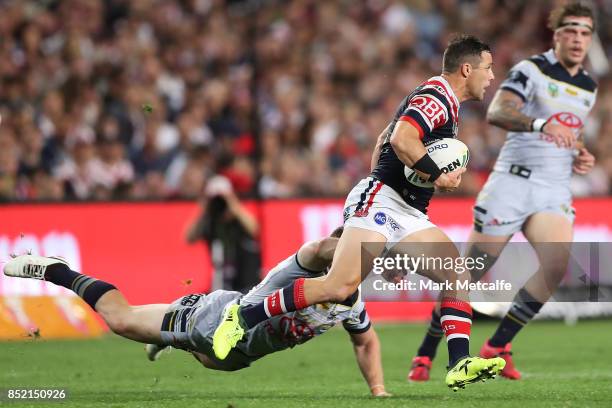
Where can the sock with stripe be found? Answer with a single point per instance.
(456, 321)
(432, 338)
(288, 299)
(524, 308)
(89, 289)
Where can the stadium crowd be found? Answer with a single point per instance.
(148, 99)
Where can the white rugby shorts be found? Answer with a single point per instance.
(507, 200)
(374, 206)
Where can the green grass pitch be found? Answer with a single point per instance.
(563, 366)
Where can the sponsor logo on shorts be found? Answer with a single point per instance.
(346, 214)
(380, 218)
(498, 222)
(190, 300)
(392, 224)
(361, 213)
(568, 210)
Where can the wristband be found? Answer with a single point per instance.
(426, 165)
(537, 125)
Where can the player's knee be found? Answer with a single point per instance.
(450, 274)
(119, 324)
(556, 266)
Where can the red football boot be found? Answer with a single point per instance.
(509, 371)
(420, 369)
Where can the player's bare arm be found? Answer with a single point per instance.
(406, 143)
(317, 255)
(505, 112)
(409, 149)
(367, 352)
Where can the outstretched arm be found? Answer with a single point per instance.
(367, 352)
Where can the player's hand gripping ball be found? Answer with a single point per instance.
(448, 154)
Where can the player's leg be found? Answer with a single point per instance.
(139, 323)
(346, 273)
(479, 246)
(434, 244)
(209, 363)
(204, 360)
(499, 212)
(550, 235)
(455, 310)
(361, 225)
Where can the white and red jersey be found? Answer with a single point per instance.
(433, 109)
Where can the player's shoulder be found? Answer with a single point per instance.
(547, 64)
(540, 61)
(529, 67)
(438, 87)
(437, 91)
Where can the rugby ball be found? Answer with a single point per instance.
(449, 154)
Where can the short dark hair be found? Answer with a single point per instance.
(460, 49)
(574, 9)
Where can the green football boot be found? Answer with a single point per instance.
(473, 369)
(228, 333)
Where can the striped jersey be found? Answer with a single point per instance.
(549, 92)
(433, 109)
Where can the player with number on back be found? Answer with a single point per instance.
(387, 208)
(543, 104)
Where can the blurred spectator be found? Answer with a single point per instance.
(230, 233)
(296, 95)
